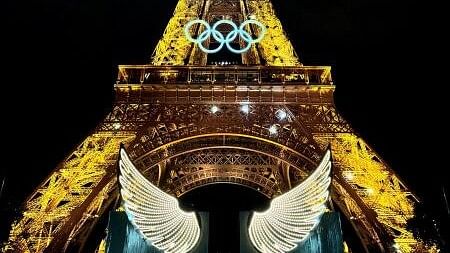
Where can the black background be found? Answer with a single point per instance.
(59, 63)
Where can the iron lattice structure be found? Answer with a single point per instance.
(162, 113)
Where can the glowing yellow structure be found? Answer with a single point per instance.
(83, 179)
(276, 49)
(376, 184)
(187, 122)
(173, 47)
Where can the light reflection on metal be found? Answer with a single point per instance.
(348, 175)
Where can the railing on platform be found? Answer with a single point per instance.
(131, 75)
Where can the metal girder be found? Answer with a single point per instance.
(256, 170)
(76, 182)
(225, 157)
(275, 48)
(173, 48)
(154, 76)
(376, 184)
(321, 118)
(203, 175)
(186, 121)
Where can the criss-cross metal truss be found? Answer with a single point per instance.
(237, 166)
(173, 47)
(276, 48)
(83, 181)
(264, 125)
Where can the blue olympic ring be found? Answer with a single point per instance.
(224, 40)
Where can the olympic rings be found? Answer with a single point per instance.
(220, 38)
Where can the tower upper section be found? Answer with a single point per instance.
(274, 49)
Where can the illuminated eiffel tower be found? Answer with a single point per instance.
(187, 115)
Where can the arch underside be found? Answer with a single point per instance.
(360, 177)
(187, 163)
(295, 151)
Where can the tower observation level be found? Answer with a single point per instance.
(192, 117)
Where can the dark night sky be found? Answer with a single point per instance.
(61, 58)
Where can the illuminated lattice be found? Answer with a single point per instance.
(379, 188)
(275, 47)
(173, 47)
(52, 205)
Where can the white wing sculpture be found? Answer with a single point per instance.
(293, 215)
(155, 213)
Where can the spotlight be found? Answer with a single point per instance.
(116, 126)
(245, 108)
(214, 109)
(281, 114)
(273, 129)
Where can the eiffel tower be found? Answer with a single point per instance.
(187, 116)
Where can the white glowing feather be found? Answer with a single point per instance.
(293, 215)
(155, 213)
